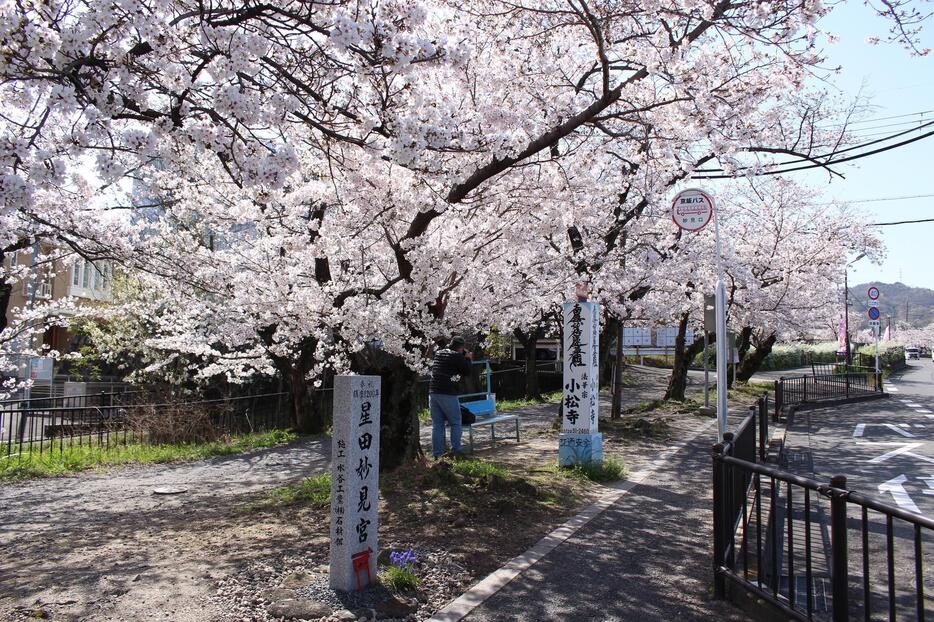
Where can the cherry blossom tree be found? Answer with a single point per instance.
(328, 184)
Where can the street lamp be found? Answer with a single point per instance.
(846, 308)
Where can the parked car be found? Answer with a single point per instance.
(912, 353)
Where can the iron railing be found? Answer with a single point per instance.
(834, 383)
(39, 426)
(772, 537)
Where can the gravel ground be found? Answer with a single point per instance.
(100, 547)
(246, 594)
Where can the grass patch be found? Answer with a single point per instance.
(313, 492)
(478, 468)
(547, 398)
(643, 407)
(610, 470)
(398, 579)
(638, 426)
(72, 459)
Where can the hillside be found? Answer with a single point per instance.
(896, 300)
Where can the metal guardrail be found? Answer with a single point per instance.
(839, 384)
(758, 532)
(35, 427)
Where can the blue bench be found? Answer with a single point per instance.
(484, 410)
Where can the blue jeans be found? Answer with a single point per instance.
(444, 409)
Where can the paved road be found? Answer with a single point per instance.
(645, 558)
(885, 449)
(887, 443)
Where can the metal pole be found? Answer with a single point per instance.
(719, 469)
(839, 577)
(706, 374)
(846, 314)
(876, 329)
(722, 404)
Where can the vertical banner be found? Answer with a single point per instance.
(354, 482)
(579, 441)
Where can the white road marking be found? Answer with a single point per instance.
(859, 430)
(897, 428)
(906, 450)
(930, 483)
(913, 405)
(894, 487)
(923, 411)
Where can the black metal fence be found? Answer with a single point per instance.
(793, 542)
(509, 383)
(828, 383)
(54, 424)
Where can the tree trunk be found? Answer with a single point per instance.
(403, 396)
(532, 392)
(308, 417)
(677, 382)
(753, 362)
(742, 347)
(6, 290)
(606, 338)
(529, 343)
(617, 406)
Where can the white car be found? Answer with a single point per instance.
(912, 353)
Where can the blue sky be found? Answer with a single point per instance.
(896, 84)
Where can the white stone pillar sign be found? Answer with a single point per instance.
(354, 482)
(579, 441)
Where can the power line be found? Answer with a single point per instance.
(876, 200)
(829, 155)
(899, 222)
(876, 119)
(825, 164)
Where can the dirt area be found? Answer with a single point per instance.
(102, 547)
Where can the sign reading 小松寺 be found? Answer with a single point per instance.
(579, 441)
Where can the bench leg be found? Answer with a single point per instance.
(517, 430)
(493, 433)
(470, 435)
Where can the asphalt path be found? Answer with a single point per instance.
(885, 449)
(647, 558)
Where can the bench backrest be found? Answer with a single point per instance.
(482, 408)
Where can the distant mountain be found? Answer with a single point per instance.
(898, 301)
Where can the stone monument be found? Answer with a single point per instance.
(354, 482)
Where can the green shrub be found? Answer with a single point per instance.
(478, 468)
(891, 355)
(610, 470)
(398, 579)
(312, 491)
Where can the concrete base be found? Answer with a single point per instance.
(579, 449)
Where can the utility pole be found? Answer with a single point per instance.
(846, 314)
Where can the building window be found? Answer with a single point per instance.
(76, 272)
(86, 279)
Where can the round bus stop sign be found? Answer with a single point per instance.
(873, 293)
(873, 313)
(692, 209)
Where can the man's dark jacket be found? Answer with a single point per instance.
(447, 363)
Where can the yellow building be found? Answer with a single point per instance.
(59, 278)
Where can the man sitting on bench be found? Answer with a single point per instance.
(450, 364)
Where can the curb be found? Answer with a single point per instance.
(462, 606)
